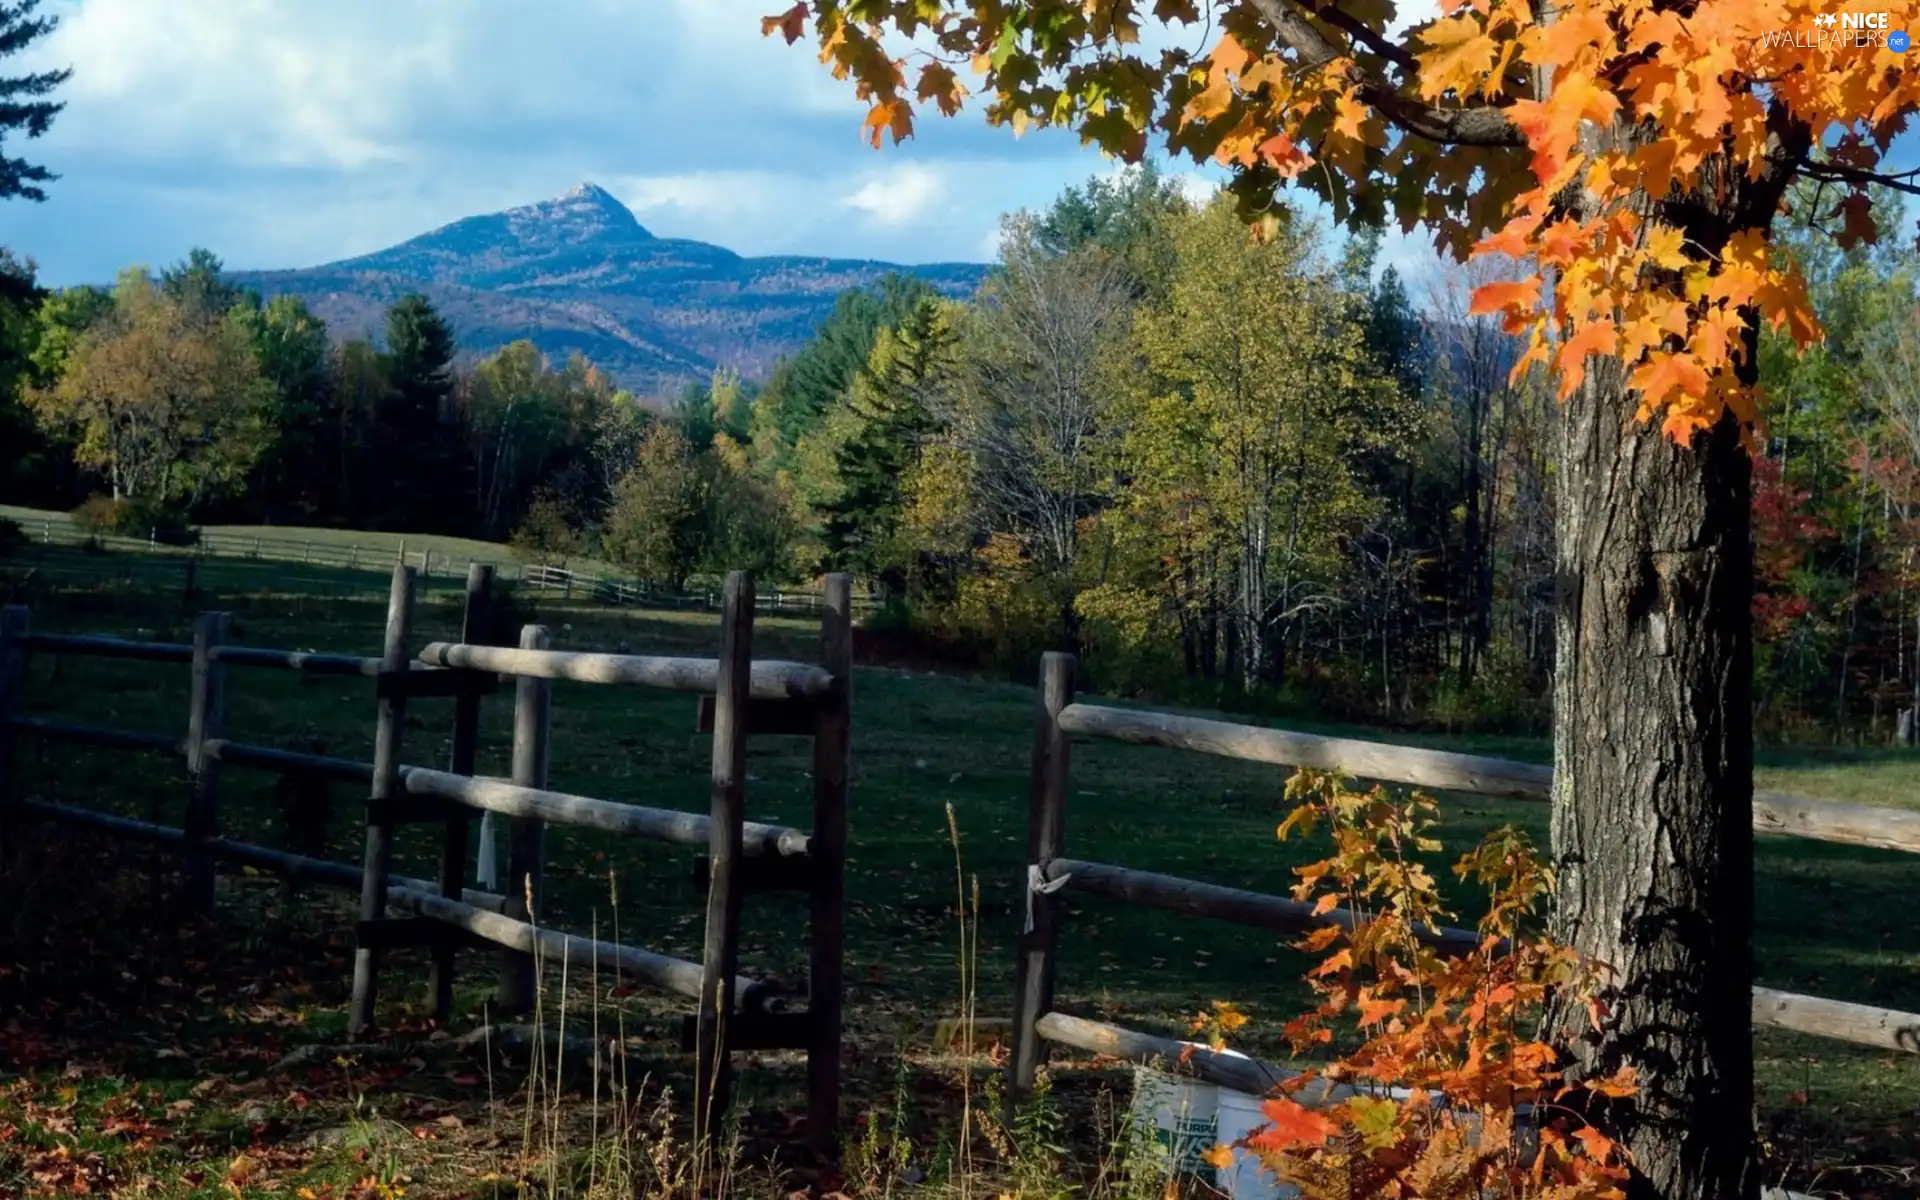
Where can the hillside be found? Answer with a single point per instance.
(580, 273)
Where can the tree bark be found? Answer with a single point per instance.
(1653, 789)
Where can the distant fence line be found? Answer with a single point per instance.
(431, 564)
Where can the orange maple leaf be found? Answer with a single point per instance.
(1292, 1125)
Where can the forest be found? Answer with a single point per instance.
(1269, 474)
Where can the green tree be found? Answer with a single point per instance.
(291, 345)
(753, 522)
(656, 526)
(165, 401)
(804, 389)
(24, 106)
(1126, 214)
(890, 409)
(197, 282)
(1258, 396)
(421, 460)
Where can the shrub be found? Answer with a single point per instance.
(101, 516)
(12, 537)
(1458, 1030)
(546, 534)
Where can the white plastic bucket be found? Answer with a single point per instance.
(1237, 1115)
(1176, 1112)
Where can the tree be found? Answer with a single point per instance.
(804, 389)
(1259, 395)
(421, 460)
(890, 409)
(291, 346)
(23, 103)
(196, 282)
(656, 524)
(1126, 215)
(1638, 154)
(166, 401)
(1042, 348)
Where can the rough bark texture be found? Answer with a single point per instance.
(1653, 789)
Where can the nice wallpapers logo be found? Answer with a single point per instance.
(1837, 30)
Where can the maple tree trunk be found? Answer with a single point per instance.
(1653, 748)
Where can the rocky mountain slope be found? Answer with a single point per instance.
(580, 273)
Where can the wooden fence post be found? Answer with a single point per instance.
(474, 626)
(827, 924)
(13, 666)
(203, 725)
(713, 1065)
(1046, 836)
(190, 587)
(386, 787)
(526, 836)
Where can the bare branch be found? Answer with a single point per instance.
(1903, 181)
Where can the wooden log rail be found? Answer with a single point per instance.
(1773, 812)
(482, 793)
(771, 679)
(668, 825)
(296, 867)
(1194, 898)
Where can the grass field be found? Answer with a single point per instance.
(1832, 920)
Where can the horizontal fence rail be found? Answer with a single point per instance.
(1773, 812)
(559, 808)
(1037, 1022)
(772, 680)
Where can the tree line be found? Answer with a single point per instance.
(1219, 468)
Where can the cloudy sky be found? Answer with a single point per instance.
(292, 132)
(287, 133)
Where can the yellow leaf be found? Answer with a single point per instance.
(1457, 57)
(1666, 248)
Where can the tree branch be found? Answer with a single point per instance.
(1480, 126)
(1904, 181)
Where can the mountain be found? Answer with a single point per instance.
(580, 273)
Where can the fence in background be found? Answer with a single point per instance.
(738, 696)
(1049, 871)
(67, 542)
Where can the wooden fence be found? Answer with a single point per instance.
(1049, 871)
(738, 696)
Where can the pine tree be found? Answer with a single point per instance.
(22, 98)
(889, 417)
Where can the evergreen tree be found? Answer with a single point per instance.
(807, 387)
(889, 416)
(23, 103)
(422, 463)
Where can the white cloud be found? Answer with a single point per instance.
(902, 195)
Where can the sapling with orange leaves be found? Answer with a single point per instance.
(1438, 1085)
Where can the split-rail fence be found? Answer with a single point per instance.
(738, 697)
(1038, 1023)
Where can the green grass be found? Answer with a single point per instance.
(370, 542)
(1832, 920)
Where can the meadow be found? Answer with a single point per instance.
(928, 747)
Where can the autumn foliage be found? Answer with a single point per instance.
(1634, 152)
(1447, 1090)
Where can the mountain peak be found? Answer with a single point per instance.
(586, 212)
